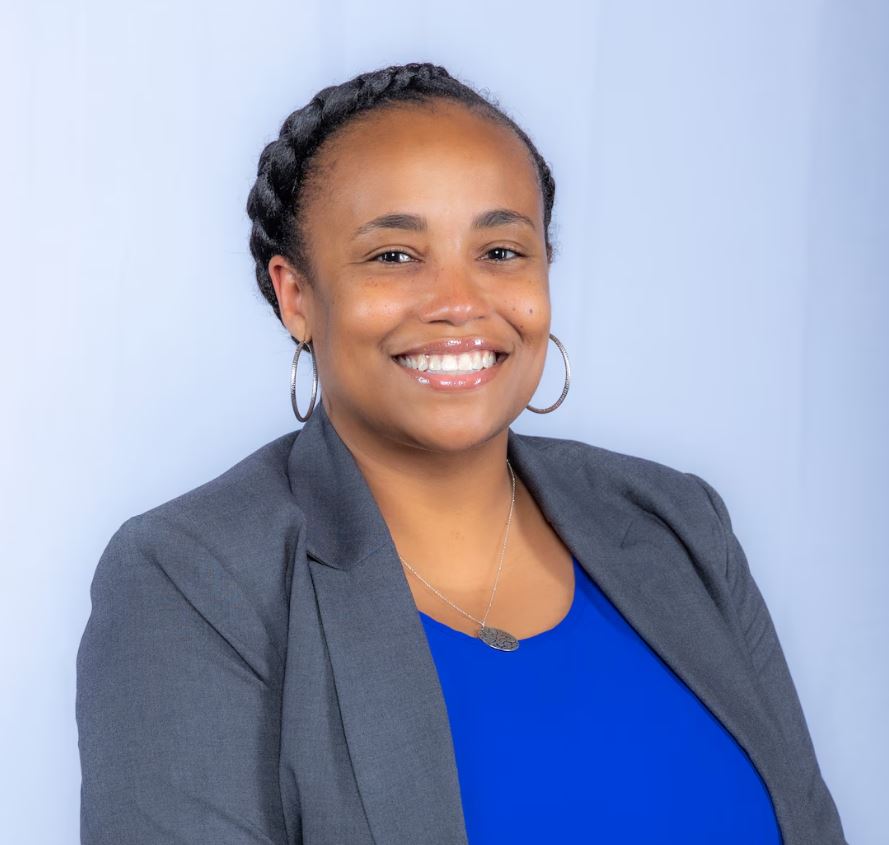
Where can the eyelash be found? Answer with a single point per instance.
(402, 252)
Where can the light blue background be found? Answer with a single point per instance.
(722, 289)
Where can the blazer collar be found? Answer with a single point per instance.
(390, 699)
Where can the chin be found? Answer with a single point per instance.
(454, 433)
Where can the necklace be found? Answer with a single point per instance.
(496, 638)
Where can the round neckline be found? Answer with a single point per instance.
(563, 624)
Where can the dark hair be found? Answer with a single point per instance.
(285, 165)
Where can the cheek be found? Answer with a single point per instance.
(529, 310)
(364, 317)
(380, 307)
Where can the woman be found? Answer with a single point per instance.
(405, 622)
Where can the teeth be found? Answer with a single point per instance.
(467, 362)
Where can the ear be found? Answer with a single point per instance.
(294, 295)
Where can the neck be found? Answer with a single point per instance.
(446, 510)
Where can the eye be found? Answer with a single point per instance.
(383, 257)
(502, 249)
(379, 255)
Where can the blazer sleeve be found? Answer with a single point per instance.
(776, 683)
(178, 733)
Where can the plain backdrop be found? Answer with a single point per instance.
(722, 288)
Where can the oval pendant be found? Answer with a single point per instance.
(497, 638)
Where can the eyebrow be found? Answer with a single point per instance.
(416, 223)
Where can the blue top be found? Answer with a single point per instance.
(583, 734)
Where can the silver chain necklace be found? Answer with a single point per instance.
(495, 637)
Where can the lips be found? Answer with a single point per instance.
(446, 381)
(454, 346)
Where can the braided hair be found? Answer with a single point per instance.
(285, 173)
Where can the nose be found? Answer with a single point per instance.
(456, 296)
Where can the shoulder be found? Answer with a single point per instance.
(249, 498)
(648, 496)
(225, 548)
(621, 473)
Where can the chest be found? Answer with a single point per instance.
(533, 593)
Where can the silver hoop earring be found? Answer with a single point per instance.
(561, 399)
(299, 348)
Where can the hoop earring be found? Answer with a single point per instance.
(567, 384)
(299, 348)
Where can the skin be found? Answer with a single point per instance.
(435, 462)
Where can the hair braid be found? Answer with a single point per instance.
(285, 170)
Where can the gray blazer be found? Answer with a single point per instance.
(254, 669)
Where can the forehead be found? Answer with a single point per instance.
(410, 154)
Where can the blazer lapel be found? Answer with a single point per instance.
(391, 703)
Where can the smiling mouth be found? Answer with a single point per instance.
(462, 364)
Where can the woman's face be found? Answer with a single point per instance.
(426, 228)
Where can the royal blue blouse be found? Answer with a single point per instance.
(583, 734)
